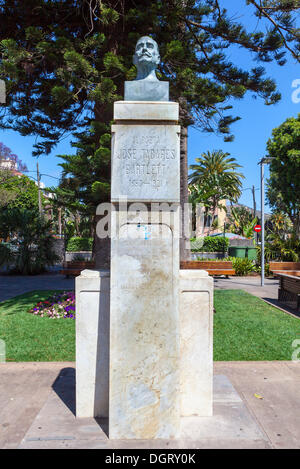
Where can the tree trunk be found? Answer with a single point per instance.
(77, 222)
(59, 222)
(184, 196)
(101, 246)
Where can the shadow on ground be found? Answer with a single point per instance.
(284, 307)
(65, 388)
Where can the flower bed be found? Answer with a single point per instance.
(58, 306)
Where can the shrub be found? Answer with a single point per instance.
(31, 246)
(281, 250)
(210, 244)
(5, 254)
(242, 266)
(267, 269)
(76, 244)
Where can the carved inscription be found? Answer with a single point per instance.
(145, 161)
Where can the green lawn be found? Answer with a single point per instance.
(245, 328)
(32, 338)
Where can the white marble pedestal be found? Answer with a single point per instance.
(144, 397)
(144, 334)
(196, 343)
(92, 343)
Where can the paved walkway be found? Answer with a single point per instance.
(262, 411)
(13, 285)
(249, 284)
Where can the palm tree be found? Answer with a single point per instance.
(215, 178)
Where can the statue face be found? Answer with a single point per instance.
(146, 51)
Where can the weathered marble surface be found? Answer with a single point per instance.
(196, 343)
(145, 110)
(144, 316)
(146, 163)
(92, 343)
(92, 339)
(142, 90)
(144, 333)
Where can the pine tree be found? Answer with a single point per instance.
(65, 61)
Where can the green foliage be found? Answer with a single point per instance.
(31, 242)
(108, 15)
(214, 179)
(281, 250)
(85, 181)
(241, 222)
(17, 191)
(284, 182)
(242, 266)
(6, 256)
(210, 244)
(79, 244)
(267, 269)
(248, 230)
(278, 225)
(59, 56)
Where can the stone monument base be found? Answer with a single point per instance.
(55, 426)
(92, 343)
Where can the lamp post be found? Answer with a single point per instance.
(262, 162)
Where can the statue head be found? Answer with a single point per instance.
(146, 58)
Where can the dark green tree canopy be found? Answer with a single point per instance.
(64, 62)
(17, 192)
(284, 182)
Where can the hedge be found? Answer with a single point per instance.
(77, 244)
(210, 244)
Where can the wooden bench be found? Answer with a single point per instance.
(213, 267)
(76, 267)
(289, 290)
(291, 268)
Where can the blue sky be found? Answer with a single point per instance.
(251, 132)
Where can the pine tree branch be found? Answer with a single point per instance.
(290, 6)
(278, 28)
(213, 32)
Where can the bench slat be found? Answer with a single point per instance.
(206, 265)
(277, 266)
(213, 267)
(75, 268)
